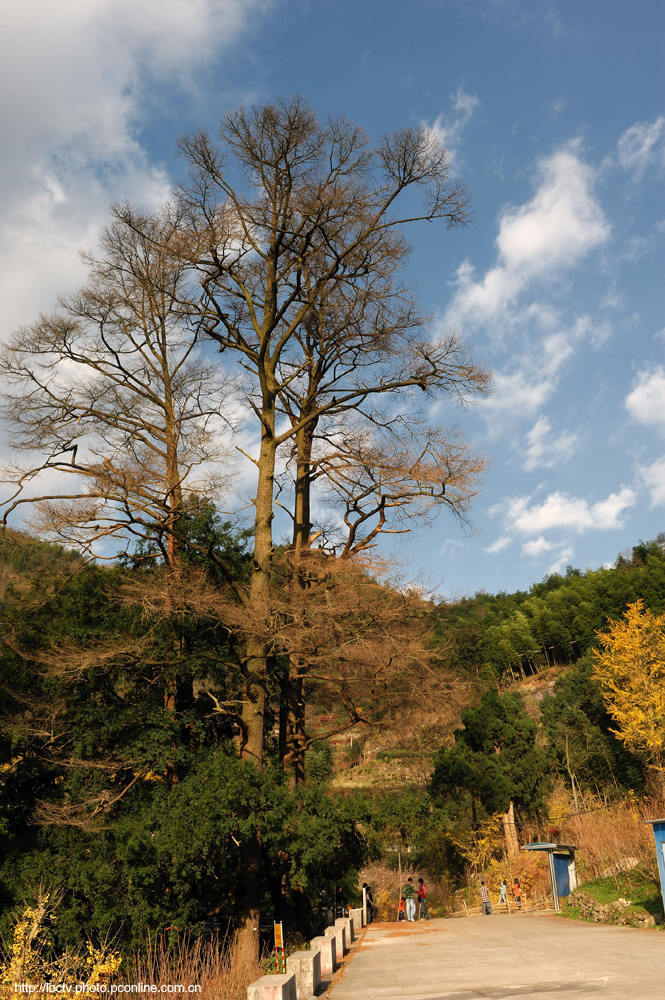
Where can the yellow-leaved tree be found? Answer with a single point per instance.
(630, 667)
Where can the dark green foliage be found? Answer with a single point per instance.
(318, 762)
(135, 806)
(582, 748)
(23, 554)
(495, 757)
(554, 623)
(399, 814)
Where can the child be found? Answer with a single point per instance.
(517, 893)
(401, 909)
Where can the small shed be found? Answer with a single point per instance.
(659, 837)
(563, 871)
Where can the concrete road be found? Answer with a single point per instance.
(521, 955)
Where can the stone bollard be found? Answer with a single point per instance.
(273, 988)
(306, 967)
(347, 924)
(326, 948)
(339, 934)
(357, 917)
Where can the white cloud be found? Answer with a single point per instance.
(653, 477)
(523, 393)
(646, 401)
(516, 394)
(545, 450)
(448, 129)
(562, 511)
(641, 145)
(551, 233)
(77, 78)
(499, 545)
(536, 546)
(562, 560)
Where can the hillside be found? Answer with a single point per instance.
(120, 723)
(535, 644)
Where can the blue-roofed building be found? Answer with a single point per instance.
(563, 870)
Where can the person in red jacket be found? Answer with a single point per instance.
(421, 892)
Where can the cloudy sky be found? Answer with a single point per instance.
(554, 117)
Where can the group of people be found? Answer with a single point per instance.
(407, 903)
(412, 894)
(503, 896)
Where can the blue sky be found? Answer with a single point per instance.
(554, 118)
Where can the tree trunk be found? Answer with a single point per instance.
(302, 530)
(257, 668)
(510, 831)
(259, 594)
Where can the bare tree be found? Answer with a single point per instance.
(319, 211)
(319, 208)
(115, 391)
(376, 459)
(115, 395)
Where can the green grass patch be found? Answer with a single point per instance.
(639, 890)
(643, 894)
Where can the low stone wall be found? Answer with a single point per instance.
(356, 916)
(328, 950)
(339, 934)
(347, 924)
(620, 911)
(306, 967)
(307, 970)
(273, 988)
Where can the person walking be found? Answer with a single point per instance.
(517, 893)
(421, 898)
(503, 894)
(485, 900)
(369, 903)
(409, 894)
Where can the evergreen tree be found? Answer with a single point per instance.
(495, 757)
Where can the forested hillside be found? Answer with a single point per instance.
(552, 623)
(122, 786)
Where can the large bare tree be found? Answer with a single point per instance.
(318, 211)
(286, 213)
(378, 460)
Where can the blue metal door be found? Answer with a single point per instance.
(659, 836)
(561, 862)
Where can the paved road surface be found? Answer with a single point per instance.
(530, 956)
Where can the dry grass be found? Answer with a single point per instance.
(616, 838)
(217, 966)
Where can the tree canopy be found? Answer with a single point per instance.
(495, 757)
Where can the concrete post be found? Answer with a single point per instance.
(339, 934)
(347, 924)
(273, 988)
(328, 951)
(357, 917)
(306, 967)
